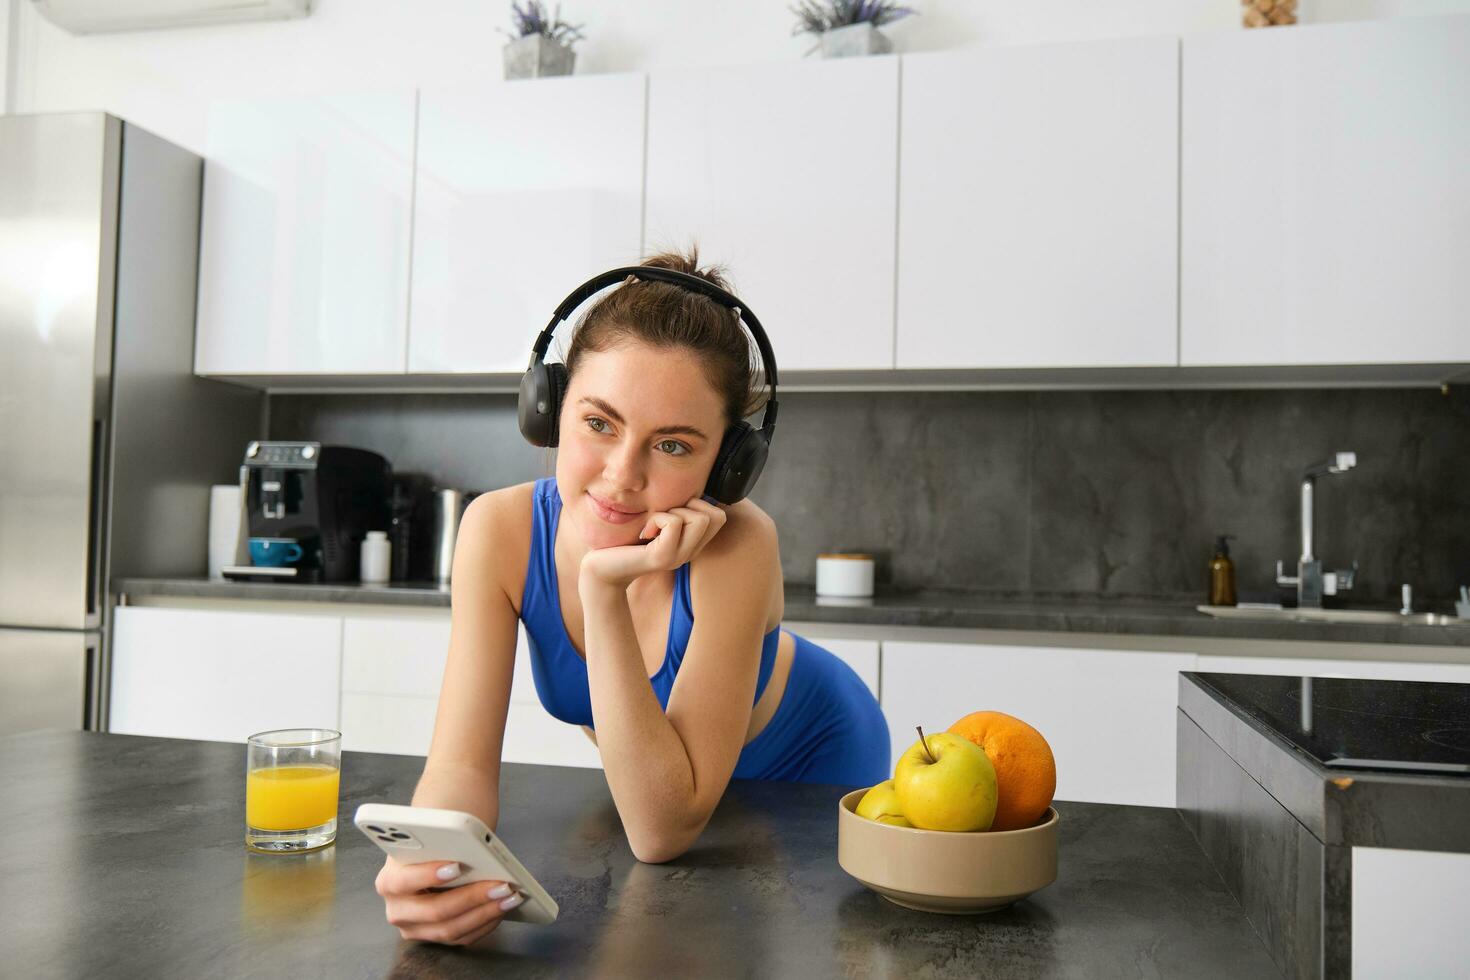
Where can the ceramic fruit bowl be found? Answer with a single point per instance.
(943, 871)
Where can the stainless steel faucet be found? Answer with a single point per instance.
(1310, 581)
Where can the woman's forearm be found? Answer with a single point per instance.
(466, 790)
(646, 764)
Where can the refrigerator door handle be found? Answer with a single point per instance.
(92, 698)
(95, 523)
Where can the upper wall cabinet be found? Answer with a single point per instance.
(304, 249)
(1326, 194)
(524, 191)
(786, 173)
(1038, 199)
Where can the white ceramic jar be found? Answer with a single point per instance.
(845, 575)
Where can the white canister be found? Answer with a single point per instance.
(225, 523)
(374, 564)
(846, 575)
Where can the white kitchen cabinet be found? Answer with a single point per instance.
(523, 191)
(1038, 206)
(1409, 913)
(223, 676)
(392, 669)
(532, 735)
(1326, 194)
(399, 656)
(787, 174)
(1109, 715)
(387, 723)
(305, 237)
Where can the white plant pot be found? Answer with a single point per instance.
(535, 55)
(854, 40)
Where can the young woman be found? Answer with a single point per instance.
(648, 609)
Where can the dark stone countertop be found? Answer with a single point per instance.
(133, 863)
(922, 608)
(1260, 723)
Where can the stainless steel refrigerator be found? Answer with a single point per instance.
(108, 443)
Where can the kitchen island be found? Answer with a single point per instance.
(127, 858)
(1338, 812)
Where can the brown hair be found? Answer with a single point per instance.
(666, 316)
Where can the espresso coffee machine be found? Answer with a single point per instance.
(323, 499)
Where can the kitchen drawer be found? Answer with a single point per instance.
(405, 726)
(383, 723)
(394, 656)
(406, 657)
(1409, 912)
(532, 735)
(1109, 715)
(193, 673)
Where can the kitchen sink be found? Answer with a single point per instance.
(1365, 616)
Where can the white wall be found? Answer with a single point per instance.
(164, 80)
(9, 11)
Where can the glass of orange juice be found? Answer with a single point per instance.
(291, 780)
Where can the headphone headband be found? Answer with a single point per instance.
(596, 284)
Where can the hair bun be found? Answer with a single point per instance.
(688, 264)
(672, 316)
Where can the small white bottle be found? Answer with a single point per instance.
(374, 564)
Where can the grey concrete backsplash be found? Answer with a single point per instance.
(1117, 493)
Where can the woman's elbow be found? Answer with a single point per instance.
(653, 850)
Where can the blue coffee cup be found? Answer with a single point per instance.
(274, 552)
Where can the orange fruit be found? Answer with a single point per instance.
(1025, 771)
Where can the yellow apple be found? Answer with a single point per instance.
(946, 782)
(881, 804)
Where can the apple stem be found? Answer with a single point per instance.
(923, 741)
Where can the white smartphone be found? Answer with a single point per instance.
(414, 834)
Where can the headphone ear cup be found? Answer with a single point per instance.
(738, 465)
(558, 374)
(538, 408)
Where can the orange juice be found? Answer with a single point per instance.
(290, 797)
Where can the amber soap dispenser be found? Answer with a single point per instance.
(1222, 573)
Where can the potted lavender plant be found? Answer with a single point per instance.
(848, 27)
(540, 45)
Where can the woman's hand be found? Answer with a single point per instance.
(678, 535)
(456, 916)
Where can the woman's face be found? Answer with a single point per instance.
(640, 429)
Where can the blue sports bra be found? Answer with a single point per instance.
(559, 671)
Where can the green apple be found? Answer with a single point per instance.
(946, 782)
(881, 804)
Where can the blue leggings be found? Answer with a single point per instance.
(828, 728)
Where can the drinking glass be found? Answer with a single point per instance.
(291, 781)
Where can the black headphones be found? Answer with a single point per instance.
(743, 450)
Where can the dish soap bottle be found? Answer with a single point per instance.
(1222, 573)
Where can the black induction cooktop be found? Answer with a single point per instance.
(1407, 726)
